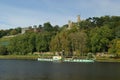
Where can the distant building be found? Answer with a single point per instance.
(78, 19)
(35, 29)
(23, 30)
(71, 24)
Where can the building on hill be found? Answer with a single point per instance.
(71, 24)
(78, 19)
(23, 30)
(27, 29)
(35, 29)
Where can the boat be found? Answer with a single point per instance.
(79, 60)
(60, 59)
(44, 59)
(55, 59)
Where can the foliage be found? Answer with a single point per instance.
(115, 47)
(100, 38)
(32, 41)
(96, 34)
(69, 41)
(42, 42)
(10, 32)
(48, 27)
(3, 50)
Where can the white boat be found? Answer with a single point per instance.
(44, 59)
(55, 58)
(79, 60)
(59, 59)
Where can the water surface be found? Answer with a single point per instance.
(35, 70)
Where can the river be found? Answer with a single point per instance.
(36, 70)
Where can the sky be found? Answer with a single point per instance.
(24, 13)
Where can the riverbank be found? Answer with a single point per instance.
(20, 57)
(107, 60)
(35, 57)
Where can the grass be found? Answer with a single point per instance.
(107, 59)
(33, 57)
(26, 57)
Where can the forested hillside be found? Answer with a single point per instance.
(96, 34)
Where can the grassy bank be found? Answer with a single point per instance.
(107, 59)
(33, 57)
(26, 57)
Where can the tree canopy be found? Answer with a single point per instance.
(96, 34)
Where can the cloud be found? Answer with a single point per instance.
(56, 12)
(23, 17)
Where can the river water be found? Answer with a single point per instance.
(36, 70)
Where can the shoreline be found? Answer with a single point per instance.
(108, 60)
(19, 57)
(35, 57)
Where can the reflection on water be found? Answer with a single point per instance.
(35, 70)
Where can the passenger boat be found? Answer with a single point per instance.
(60, 59)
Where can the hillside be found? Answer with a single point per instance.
(96, 34)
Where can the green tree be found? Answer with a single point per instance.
(112, 45)
(117, 32)
(22, 44)
(32, 43)
(115, 47)
(69, 41)
(3, 50)
(48, 27)
(78, 42)
(60, 42)
(43, 41)
(13, 32)
(99, 39)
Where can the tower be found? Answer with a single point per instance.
(78, 18)
(69, 24)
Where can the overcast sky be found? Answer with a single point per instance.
(23, 13)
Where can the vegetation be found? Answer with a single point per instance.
(97, 34)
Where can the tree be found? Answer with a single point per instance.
(115, 47)
(112, 45)
(18, 29)
(118, 46)
(3, 50)
(93, 35)
(13, 47)
(99, 39)
(117, 32)
(69, 41)
(22, 44)
(60, 42)
(32, 43)
(85, 24)
(13, 32)
(43, 41)
(3, 33)
(48, 27)
(55, 44)
(78, 42)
